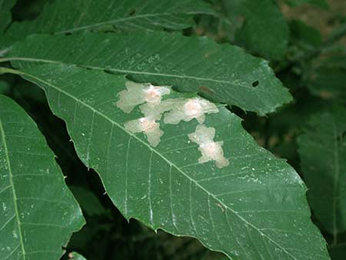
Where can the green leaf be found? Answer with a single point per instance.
(320, 3)
(38, 212)
(222, 73)
(328, 79)
(88, 201)
(255, 208)
(264, 30)
(305, 36)
(322, 149)
(5, 13)
(4, 87)
(76, 256)
(65, 16)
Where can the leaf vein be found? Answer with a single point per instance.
(2, 132)
(166, 160)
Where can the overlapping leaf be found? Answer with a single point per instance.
(253, 209)
(221, 72)
(38, 212)
(88, 201)
(65, 16)
(4, 87)
(5, 13)
(322, 149)
(305, 36)
(264, 30)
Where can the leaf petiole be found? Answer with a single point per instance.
(9, 70)
(5, 60)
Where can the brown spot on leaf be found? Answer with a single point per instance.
(206, 90)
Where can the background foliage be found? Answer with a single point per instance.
(304, 44)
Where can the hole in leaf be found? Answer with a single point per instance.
(255, 83)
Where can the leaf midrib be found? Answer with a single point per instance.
(13, 190)
(133, 72)
(163, 157)
(86, 27)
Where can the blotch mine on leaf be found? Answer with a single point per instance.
(204, 137)
(174, 110)
(160, 108)
(189, 109)
(148, 126)
(137, 94)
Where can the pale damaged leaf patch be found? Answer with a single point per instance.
(137, 94)
(189, 109)
(148, 126)
(204, 136)
(175, 110)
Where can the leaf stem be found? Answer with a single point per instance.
(5, 59)
(9, 70)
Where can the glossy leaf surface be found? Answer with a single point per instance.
(222, 73)
(257, 33)
(65, 16)
(255, 208)
(38, 212)
(5, 13)
(322, 149)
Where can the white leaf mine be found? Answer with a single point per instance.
(153, 94)
(137, 94)
(160, 108)
(204, 137)
(148, 126)
(189, 109)
(174, 110)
